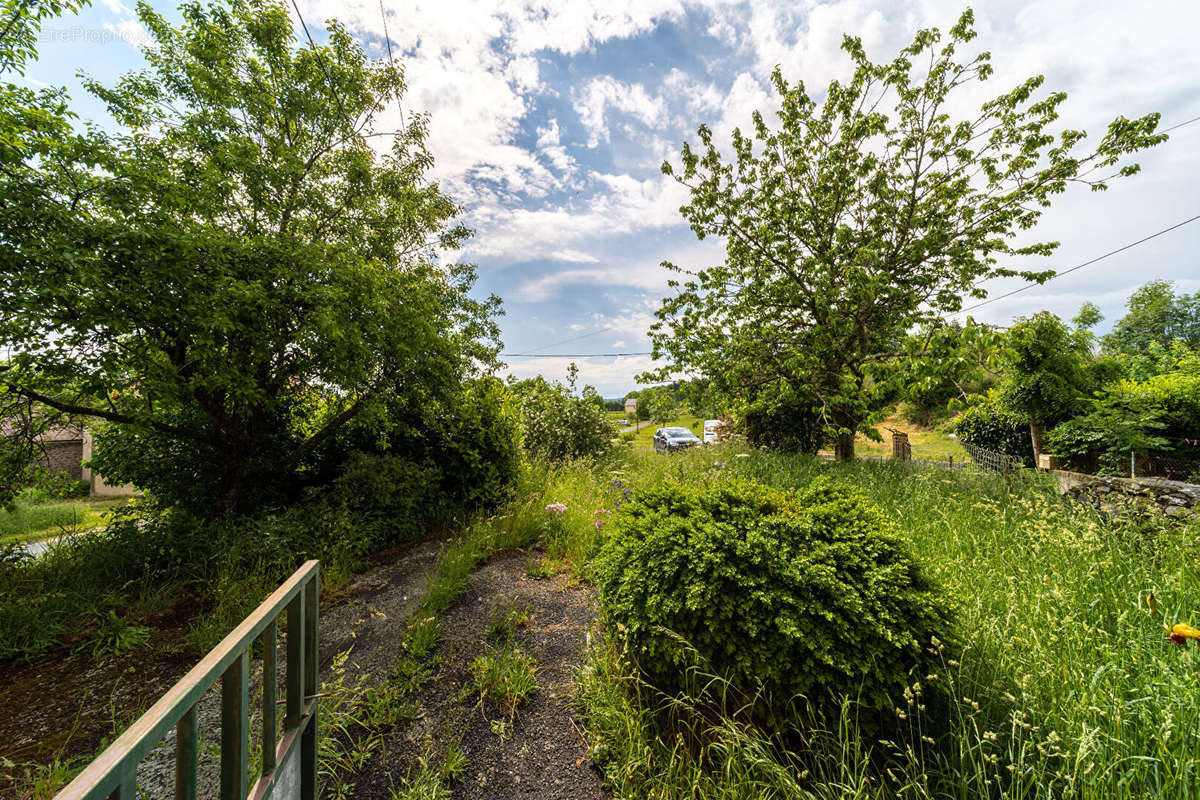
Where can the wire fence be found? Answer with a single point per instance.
(992, 460)
(1175, 469)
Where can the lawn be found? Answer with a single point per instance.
(644, 440)
(620, 418)
(925, 444)
(35, 520)
(1063, 685)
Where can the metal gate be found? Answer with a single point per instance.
(289, 762)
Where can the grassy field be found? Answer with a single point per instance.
(41, 520)
(1064, 687)
(644, 440)
(926, 444)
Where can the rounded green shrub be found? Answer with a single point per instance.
(805, 593)
(985, 424)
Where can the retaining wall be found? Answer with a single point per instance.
(1176, 498)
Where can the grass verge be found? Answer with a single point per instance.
(1066, 686)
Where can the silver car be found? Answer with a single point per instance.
(669, 440)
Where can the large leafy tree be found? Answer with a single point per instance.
(863, 215)
(34, 122)
(1045, 373)
(1156, 314)
(234, 272)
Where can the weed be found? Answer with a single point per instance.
(1064, 689)
(537, 569)
(454, 764)
(386, 706)
(504, 676)
(425, 784)
(342, 750)
(506, 618)
(114, 635)
(502, 728)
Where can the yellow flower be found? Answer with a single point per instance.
(1181, 633)
(1185, 631)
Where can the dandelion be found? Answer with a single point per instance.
(558, 509)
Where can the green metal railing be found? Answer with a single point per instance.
(289, 762)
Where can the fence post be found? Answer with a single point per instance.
(308, 742)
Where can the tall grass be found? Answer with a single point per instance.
(1064, 685)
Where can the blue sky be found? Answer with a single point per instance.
(550, 121)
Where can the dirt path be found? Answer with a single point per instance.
(538, 752)
(61, 706)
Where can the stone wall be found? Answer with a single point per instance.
(63, 455)
(1175, 498)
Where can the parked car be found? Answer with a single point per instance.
(710, 431)
(668, 440)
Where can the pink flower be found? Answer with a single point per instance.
(558, 509)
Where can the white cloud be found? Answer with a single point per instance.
(622, 205)
(607, 372)
(600, 95)
(574, 256)
(545, 287)
(475, 67)
(131, 31)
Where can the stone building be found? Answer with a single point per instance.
(64, 449)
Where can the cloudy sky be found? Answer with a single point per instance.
(550, 120)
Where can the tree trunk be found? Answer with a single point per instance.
(1037, 435)
(843, 448)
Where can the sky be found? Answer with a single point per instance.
(550, 120)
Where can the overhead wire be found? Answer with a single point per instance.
(324, 67)
(1078, 266)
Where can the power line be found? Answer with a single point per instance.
(324, 67)
(570, 355)
(391, 58)
(1180, 125)
(1079, 266)
(1027, 286)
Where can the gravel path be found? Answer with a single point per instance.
(542, 755)
(60, 705)
(366, 625)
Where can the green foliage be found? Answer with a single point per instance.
(988, 425)
(869, 208)
(808, 593)
(1045, 375)
(1157, 417)
(1089, 316)
(662, 407)
(114, 635)
(1058, 675)
(234, 272)
(557, 425)
(504, 676)
(781, 419)
(941, 368)
(1156, 315)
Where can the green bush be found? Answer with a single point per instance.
(806, 593)
(780, 419)
(987, 425)
(557, 425)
